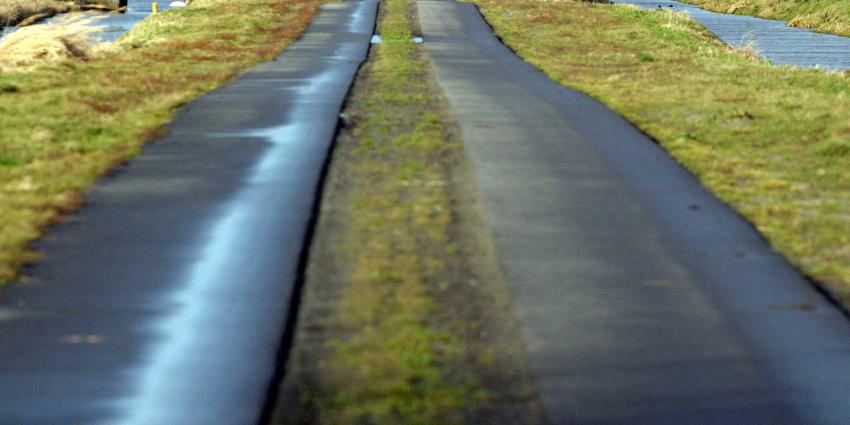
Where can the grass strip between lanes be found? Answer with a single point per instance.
(387, 369)
(66, 124)
(829, 16)
(774, 142)
(405, 318)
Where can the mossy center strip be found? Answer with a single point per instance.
(404, 319)
(387, 368)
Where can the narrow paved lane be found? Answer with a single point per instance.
(163, 301)
(643, 299)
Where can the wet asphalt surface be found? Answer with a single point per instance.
(643, 299)
(774, 40)
(165, 299)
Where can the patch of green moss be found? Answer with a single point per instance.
(829, 16)
(390, 365)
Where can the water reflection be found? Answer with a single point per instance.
(113, 25)
(116, 24)
(774, 40)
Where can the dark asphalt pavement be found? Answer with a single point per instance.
(164, 300)
(643, 299)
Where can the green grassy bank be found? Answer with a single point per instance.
(64, 125)
(830, 16)
(774, 142)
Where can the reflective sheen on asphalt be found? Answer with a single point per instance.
(164, 300)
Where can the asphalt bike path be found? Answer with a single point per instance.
(165, 299)
(643, 299)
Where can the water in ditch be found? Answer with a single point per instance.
(113, 24)
(116, 24)
(774, 40)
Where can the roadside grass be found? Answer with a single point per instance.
(773, 142)
(829, 16)
(67, 123)
(387, 367)
(24, 12)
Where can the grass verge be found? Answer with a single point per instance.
(397, 326)
(829, 16)
(774, 142)
(66, 124)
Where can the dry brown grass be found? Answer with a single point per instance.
(25, 12)
(69, 37)
(14, 11)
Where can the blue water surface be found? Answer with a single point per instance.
(115, 24)
(774, 40)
